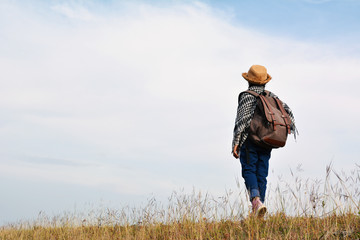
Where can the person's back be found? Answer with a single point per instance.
(254, 158)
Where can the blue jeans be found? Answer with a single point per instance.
(255, 167)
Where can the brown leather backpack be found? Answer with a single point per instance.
(270, 124)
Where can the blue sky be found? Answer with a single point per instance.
(113, 102)
(312, 20)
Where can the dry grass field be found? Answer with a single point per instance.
(301, 209)
(276, 226)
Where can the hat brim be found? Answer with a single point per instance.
(256, 81)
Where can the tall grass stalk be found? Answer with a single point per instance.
(300, 209)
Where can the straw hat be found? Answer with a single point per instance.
(257, 74)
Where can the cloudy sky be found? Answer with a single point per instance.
(117, 101)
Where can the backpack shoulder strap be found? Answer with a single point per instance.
(248, 91)
(265, 104)
(285, 115)
(252, 93)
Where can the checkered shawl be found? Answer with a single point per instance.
(245, 112)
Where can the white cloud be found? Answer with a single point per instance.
(100, 176)
(154, 91)
(74, 11)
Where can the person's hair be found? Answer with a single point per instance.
(252, 84)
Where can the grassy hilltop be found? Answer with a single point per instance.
(276, 226)
(303, 209)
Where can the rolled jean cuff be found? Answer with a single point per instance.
(254, 193)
